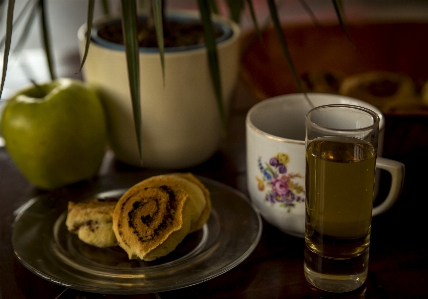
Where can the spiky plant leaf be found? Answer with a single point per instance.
(31, 6)
(282, 41)
(89, 23)
(205, 11)
(214, 6)
(235, 9)
(158, 18)
(129, 27)
(46, 38)
(27, 28)
(338, 7)
(280, 34)
(254, 18)
(141, 4)
(308, 9)
(105, 7)
(8, 39)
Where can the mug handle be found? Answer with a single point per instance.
(396, 169)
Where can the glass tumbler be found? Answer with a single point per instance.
(341, 148)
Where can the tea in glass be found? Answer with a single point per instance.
(340, 177)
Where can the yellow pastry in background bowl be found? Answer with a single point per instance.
(322, 81)
(379, 88)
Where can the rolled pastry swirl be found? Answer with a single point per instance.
(155, 215)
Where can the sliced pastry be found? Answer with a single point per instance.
(155, 215)
(206, 203)
(92, 221)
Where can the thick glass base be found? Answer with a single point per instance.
(336, 275)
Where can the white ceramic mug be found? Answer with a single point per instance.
(275, 133)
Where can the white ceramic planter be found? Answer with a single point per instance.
(181, 125)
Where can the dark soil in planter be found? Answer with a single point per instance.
(176, 34)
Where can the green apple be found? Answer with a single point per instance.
(55, 133)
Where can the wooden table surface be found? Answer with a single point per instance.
(398, 265)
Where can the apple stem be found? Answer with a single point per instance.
(38, 87)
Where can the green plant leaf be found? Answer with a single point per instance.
(27, 28)
(89, 22)
(254, 19)
(8, 38)
(141, 5)
(283, 42)
(210, 43)
(129, 27)
(311, 14)
(30, 5)
(46, 38)
(214, 6)
(105, 7)
(338, 7)
(280, 34)
(27, 14)
(158, 18)
(235, 9)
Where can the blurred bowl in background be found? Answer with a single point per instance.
(398, 47)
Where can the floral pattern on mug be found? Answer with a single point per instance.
(279, 185)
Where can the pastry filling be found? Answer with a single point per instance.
(381, 88)
(150, 215)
